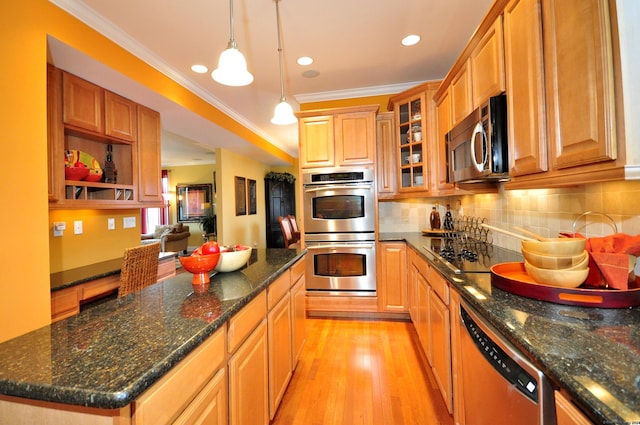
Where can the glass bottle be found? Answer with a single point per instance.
(110, 171)
(448, 219)
(434, 219)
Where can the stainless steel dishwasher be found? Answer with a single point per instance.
(500, 386)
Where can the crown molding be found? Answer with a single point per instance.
(355, 93)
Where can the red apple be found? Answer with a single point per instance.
(211, 247)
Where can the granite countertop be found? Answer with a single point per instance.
(108, 355)
(72, 277)
(592, 353)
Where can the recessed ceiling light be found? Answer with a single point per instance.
(305, 60)
(200, 69)
(410, 40)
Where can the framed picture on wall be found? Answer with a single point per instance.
(241, 195)
(251, 192)
(194, 201)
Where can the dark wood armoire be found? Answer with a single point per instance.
(280, 200)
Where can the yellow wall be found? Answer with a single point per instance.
(193, 174)
(24, 26)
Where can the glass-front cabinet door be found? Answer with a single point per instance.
(412, 157)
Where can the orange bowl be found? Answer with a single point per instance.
(93, 177)
(200, 266)
(76, 173)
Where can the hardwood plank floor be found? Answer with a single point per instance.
(368, 372)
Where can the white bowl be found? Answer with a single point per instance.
(233, 260)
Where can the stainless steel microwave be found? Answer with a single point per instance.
(478, 146)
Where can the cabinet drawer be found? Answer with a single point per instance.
(210, 406)
(245, 321)
(166, 268)
(64, 303)
(419, 263)
(297, 270)
(166, 399)
(439, 285)
(100, 286)
(277, 289)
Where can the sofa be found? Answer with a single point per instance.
(172, 238)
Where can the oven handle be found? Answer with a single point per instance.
(340, 246)
(311, 189)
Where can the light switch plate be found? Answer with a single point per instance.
(111, 223)
(128, 222)
(58, 228)
(77, 227)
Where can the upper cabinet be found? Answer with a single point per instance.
(98, 128)
(340, 137)
(487, 65)
(461, 93)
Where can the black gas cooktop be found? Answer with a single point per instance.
(469, 256)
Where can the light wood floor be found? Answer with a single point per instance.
(354, 372)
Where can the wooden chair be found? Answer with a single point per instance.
(294, 227)
(287, 233)
(139, 268)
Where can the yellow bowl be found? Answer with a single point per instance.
(554, 262)
(556, 246)
(561, 278)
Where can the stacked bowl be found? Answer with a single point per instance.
(560, 262)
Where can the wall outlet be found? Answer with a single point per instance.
(128, 222)
(58, 228)
(77, 227)
(111, 224)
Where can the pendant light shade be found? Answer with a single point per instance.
(283, 114)
(232, 66)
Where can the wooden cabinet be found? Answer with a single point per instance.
(386, 154)
(88, 118)
(194, 389)
(249, 380)
(525, 87)
(443, 126)
(456, 359)
(392, 277)
(280, 349)
(487, 65)
(567, 413)
(440, 333)
(298, 311)
(337, 137)
(149, 175)
(461, 94)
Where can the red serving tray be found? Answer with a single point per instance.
(513, 277)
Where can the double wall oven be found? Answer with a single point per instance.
(339, 231)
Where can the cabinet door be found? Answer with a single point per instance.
(422, 326)
(55, 134)
(412, 157)
(579, 82)
(443, 124)
(299, 317)
(355, 136)
(249, 380)
(210, 405)
(487, 65)
(386, 160)
(119, 117)
(149, 173)
(279, 331)
(525, 87)
(440, 331)
(64, 303)
(392, 277)
(82, 103)
(461, 100)
(317, 141)
(567, 413)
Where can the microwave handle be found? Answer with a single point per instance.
(318, 188)
(479, 129)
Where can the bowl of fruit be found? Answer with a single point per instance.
(201, 262)
(233, 258)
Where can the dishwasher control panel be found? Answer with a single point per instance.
(500, 360)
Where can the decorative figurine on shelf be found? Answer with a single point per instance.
(448, 219)
(110, 171)
(434, 219)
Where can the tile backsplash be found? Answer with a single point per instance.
(544, 211)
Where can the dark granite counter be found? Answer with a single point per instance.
(68, 278)
(108, 355)
(592, 353)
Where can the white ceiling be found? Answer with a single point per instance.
(355, 45)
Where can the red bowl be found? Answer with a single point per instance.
(93, 177)
(200, 266)
(76, 173)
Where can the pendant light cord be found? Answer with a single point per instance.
(282, 99)
(232, 38)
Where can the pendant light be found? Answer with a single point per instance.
(283, 114)
(232, 66)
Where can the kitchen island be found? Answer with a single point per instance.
(592, 354)
(107, 356)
